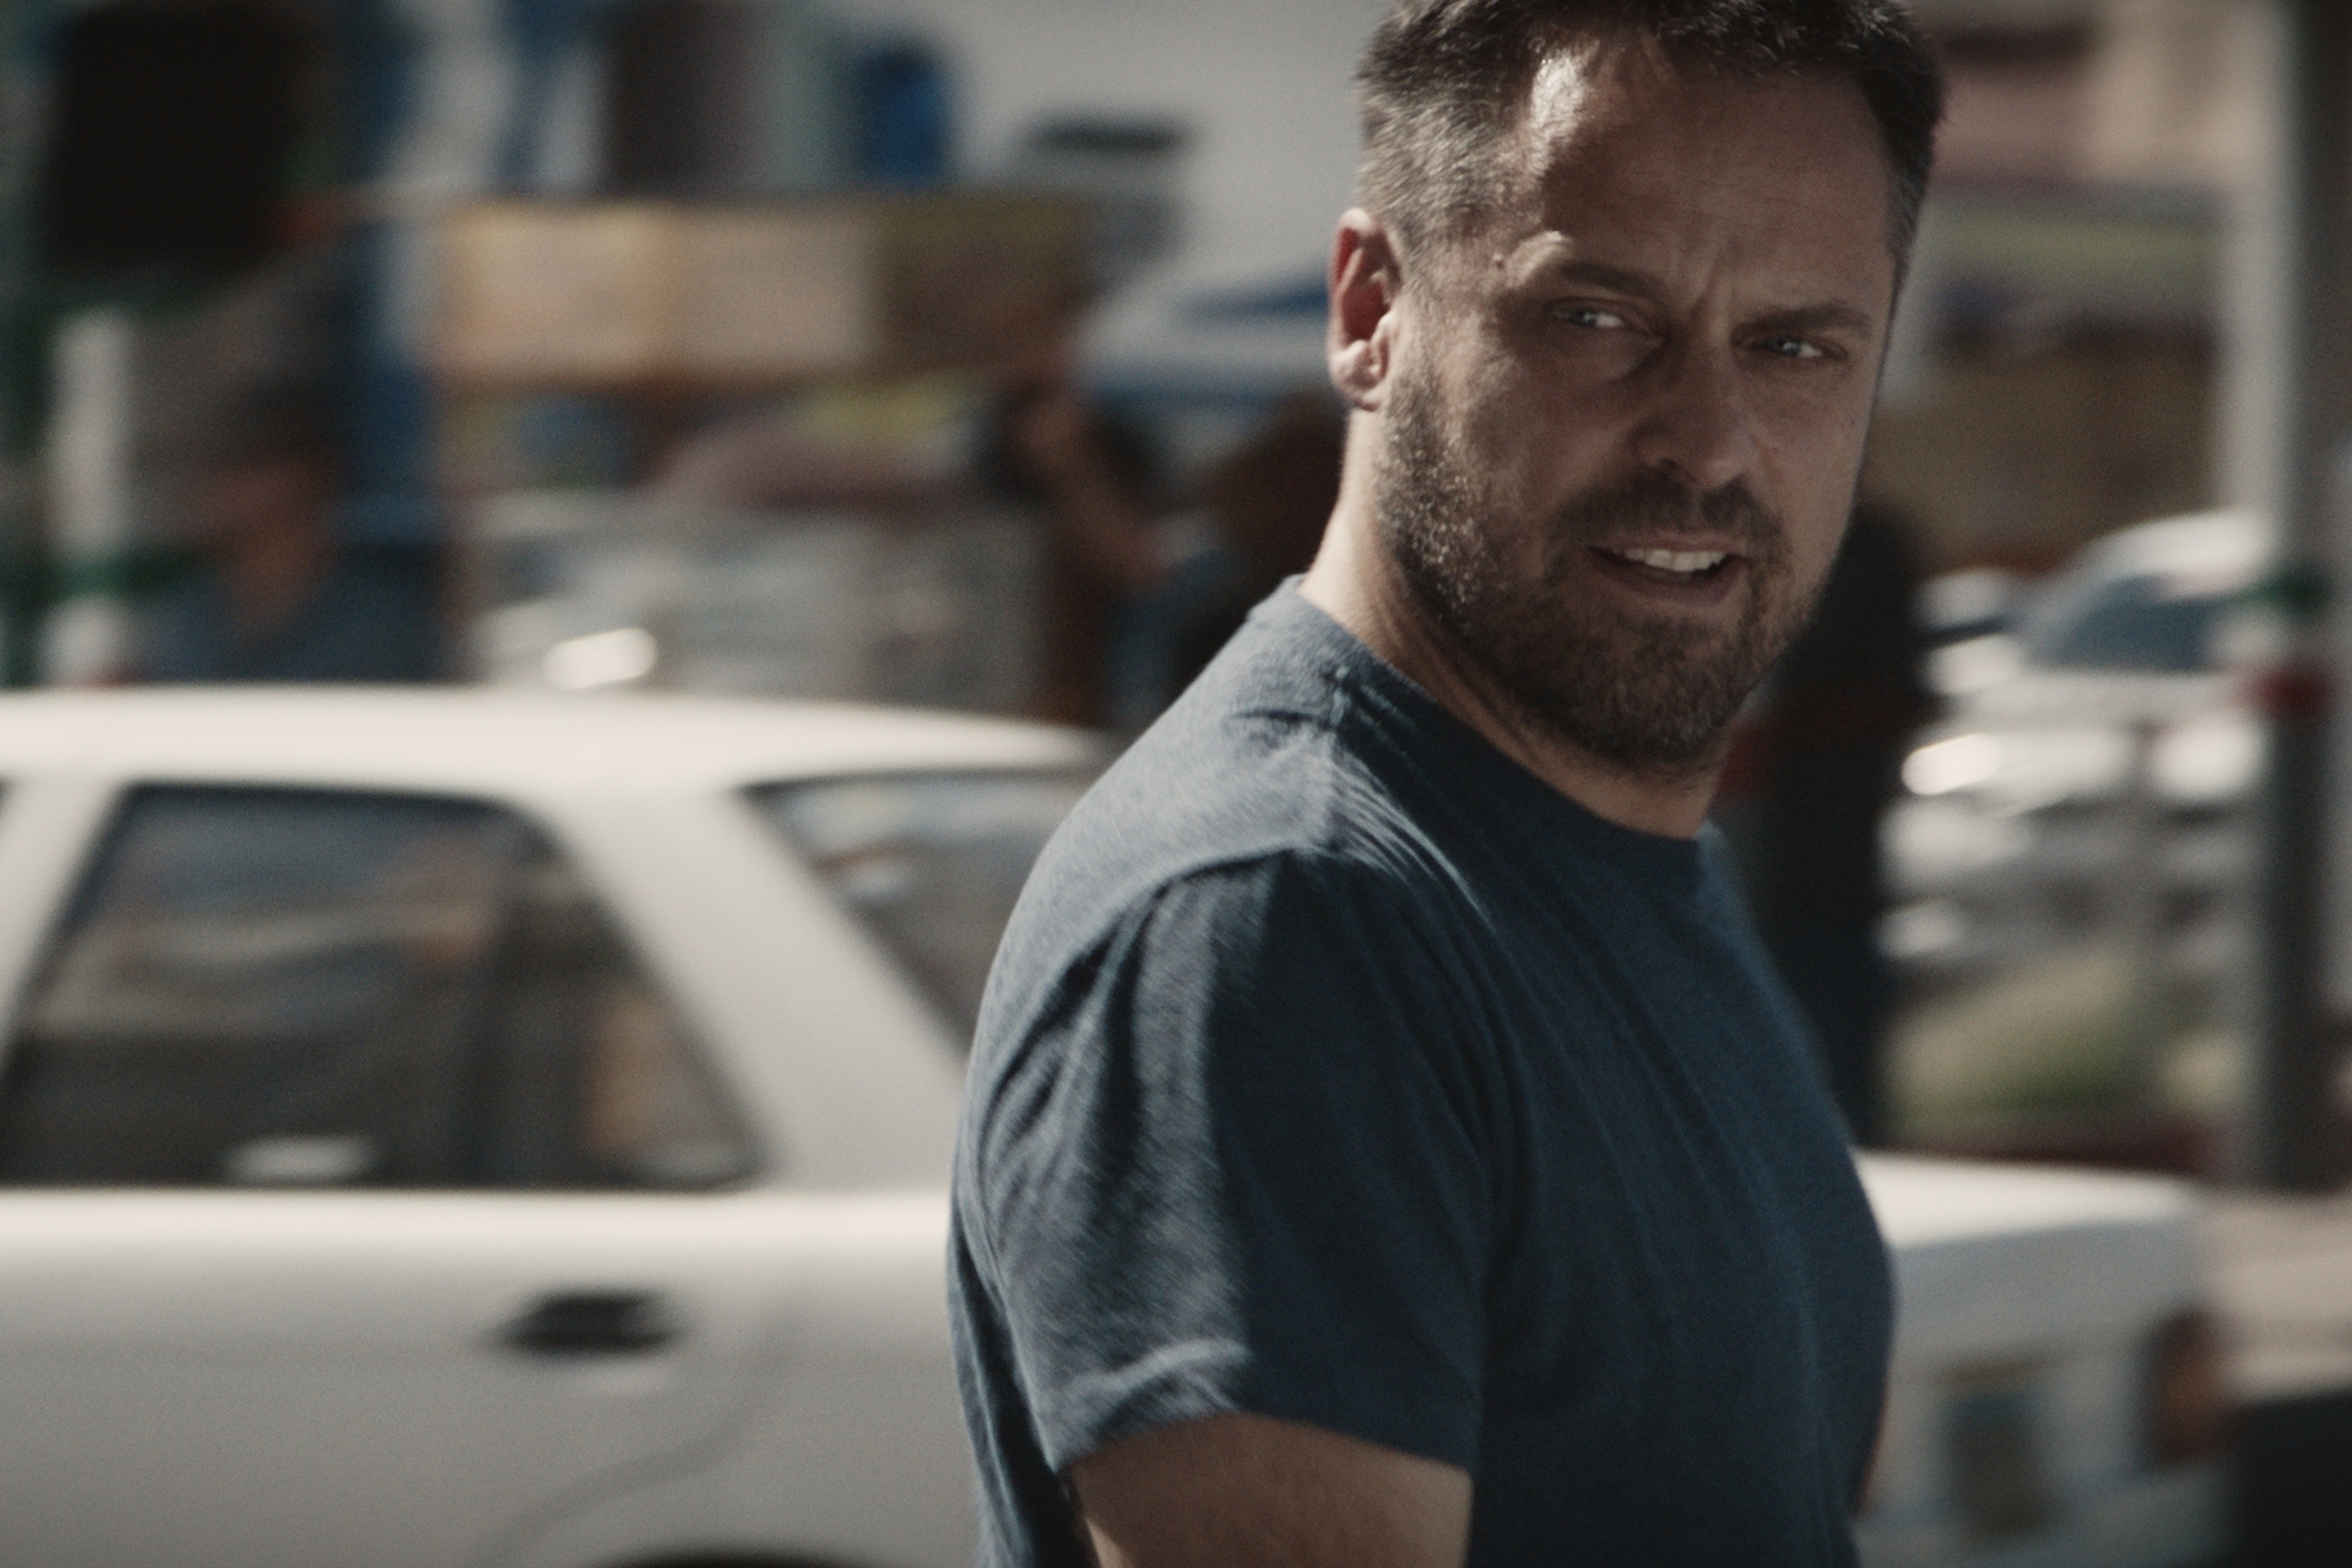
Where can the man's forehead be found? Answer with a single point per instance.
(1589, 88)
(1561, 97)
(1604, 107)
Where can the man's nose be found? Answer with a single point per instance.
(1696, 422)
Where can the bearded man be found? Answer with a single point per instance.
(1386, 1144)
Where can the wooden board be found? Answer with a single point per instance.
(626, 295)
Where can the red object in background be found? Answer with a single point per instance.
(1747, 754)
(2186, 1400)
(2293, 693)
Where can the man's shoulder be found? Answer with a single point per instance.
(1274, 755)
(1221, 797)
(1268, 779)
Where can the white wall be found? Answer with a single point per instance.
(1264, 84)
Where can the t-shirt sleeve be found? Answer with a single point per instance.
(1233, 1162)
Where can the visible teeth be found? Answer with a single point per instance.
(1683, 561)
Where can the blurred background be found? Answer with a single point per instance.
(966, 353)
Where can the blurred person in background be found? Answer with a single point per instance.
(1119, 575)
(1385, 1142)
(1817, 761)
(1266, 503)
(1094, 477)
(273, 593)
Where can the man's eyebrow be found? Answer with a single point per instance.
(1828, 316)
(1602, 275)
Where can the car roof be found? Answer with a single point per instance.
(1922, 1200)
(2210, 542)
(482, 737)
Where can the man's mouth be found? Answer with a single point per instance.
(1671, 566)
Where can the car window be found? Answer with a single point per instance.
(930, 865)
(296, 987)
(2143, 622)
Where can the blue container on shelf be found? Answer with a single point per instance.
(901, 110)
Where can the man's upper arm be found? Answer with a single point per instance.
(1243, 1491)
(1237, 1169)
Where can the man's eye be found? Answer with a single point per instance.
(1790, 348)
(1588, 315)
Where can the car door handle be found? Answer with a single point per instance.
(593, 1323)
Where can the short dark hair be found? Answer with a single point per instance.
(1443, 82)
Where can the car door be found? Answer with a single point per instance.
(362, 1198)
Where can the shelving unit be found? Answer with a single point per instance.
(646, 322)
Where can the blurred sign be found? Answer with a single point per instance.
(764, 296)
(640, 294)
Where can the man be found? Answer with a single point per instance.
(1386, 1144)
(276, 596)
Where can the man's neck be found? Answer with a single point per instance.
(1355, 583)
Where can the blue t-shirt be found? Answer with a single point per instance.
(373, 617)
(1335, 1068)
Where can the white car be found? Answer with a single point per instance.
(456, 1128)
(2106, 735)
(2057, 1397)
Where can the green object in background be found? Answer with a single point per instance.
(2296, 590)
(132, 575)
(23, 366)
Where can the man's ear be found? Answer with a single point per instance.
(1361, 339)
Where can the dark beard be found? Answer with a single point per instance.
(1651, 694)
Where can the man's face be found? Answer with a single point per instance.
(1624, 419)
(261, 496)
